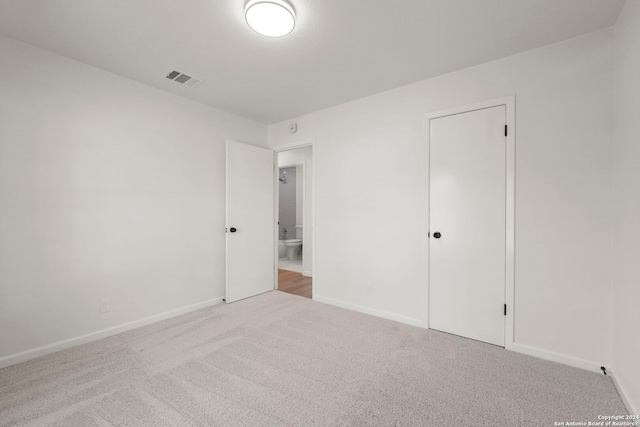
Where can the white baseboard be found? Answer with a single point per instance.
(307, 274)
(576, 362)
(632, 408)
(93, 336)
(371, 311)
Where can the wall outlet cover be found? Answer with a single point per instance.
(105, 305)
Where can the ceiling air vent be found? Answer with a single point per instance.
(182, 78)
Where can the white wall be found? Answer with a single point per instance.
(626, 242)
(371, 183)
(108, 189)
(290, 157)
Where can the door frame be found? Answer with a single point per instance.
(278, 148)
(509, 103)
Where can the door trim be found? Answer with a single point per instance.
(278, 148)
(510, 160)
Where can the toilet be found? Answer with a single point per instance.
(293, 246)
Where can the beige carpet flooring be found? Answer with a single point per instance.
(283, 360)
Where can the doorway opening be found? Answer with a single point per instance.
(291, 217)
(294, 234)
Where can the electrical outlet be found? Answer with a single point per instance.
(369, 289)
(106, 305)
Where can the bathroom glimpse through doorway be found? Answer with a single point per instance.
(293, 216)
(290, 216)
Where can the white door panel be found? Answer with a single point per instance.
(250, 211)
(467, 208)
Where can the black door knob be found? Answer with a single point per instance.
(233, 229)
(437, 234)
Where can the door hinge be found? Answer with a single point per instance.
(505, 130)
(505, 309)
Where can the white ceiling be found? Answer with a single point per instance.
(340, 50)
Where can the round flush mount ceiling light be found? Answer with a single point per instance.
(272, 18)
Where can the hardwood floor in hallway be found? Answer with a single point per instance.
(294, 283)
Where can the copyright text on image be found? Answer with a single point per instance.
(604, 420)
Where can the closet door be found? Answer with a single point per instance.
(467, 224)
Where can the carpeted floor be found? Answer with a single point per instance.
(283, 360)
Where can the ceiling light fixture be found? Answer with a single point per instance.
(271, 18)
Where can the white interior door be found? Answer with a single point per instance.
(467, 224)
(249, 220)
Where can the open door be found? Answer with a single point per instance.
(249, 220)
